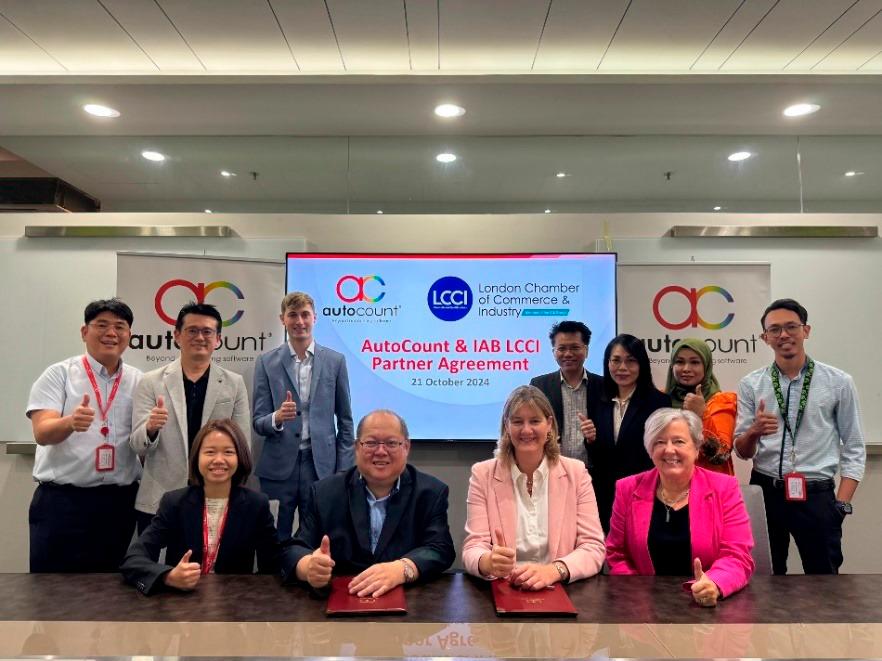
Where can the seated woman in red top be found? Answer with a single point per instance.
(213, 526)
(678, 519)
(693, 386)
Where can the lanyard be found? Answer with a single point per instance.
(103, 410)
(210, 552)
(785, 409)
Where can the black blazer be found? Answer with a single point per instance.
(550, 385)
(177, 527)
(611, 460)
(415, 526)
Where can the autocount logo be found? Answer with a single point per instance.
(450, 298)
(200, 291)
(364, 289)
(692, 296)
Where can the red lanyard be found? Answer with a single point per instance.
(103, 410)
(209, 553)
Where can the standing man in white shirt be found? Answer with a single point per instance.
(303, 411)
(82, 514)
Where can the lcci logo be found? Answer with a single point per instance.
(693, 318)
(200, 291)
(355, 289)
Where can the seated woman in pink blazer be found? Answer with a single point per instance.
(677, 518)
(532, 515)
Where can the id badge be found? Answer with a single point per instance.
(794, 487)
(105, 458)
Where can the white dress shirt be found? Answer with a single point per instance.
(532, 537)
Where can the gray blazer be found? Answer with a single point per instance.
(330, 413)
(166, 458)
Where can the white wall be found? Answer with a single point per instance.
(48, 281)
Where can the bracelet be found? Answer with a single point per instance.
(561, 568)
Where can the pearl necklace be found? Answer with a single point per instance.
(669, 504)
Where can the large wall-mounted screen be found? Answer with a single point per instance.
(443, 339)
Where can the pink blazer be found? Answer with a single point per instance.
(574, 532)
(718, 524)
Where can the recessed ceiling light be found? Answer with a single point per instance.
(380, 212)
(740, 156)
(449, 110)
(717, 208)
(548, 211)
(801, 109)
(561, 175)
(227, 173)
(209, 211)
(153, 155)
(100, 111)
(853, 173)
(445, 157)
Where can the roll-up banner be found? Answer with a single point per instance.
(720, 303)
(246, 292)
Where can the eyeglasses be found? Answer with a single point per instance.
(102, 327)
(372, 446)
(569, 348)
(627, 362)
(775, 331)
(193, 333)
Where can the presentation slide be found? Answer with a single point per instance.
(443, 339)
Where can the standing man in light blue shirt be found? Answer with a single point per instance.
(302, 409)
(799, 420)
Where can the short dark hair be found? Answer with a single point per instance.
(112, 305)
(636, 348)
(243, 454)
(785, 304)
(204, 309)
(401, 422)
(570, 326)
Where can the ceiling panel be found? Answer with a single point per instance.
(483, 35)
(784, 33)
(422, 31)
(577, 34)
(78, 33)
(861, 46)
(836, 38)
(18, 54)
(148, 26)
(746, 17)
(372, 35)
(232, 36)
(308, 28)
(665, 36)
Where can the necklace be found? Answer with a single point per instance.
(530, 485)
(669, 504)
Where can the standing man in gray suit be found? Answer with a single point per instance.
(303, 410)
(174, 401)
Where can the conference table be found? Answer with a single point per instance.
(619, 616)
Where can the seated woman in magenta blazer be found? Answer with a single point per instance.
(678, 519)
(532, 515)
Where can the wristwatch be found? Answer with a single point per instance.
(844, 508)
(562, 569)
(409, 573)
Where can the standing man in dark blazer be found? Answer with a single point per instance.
(383, 520)
(303, 411)
(572, 388)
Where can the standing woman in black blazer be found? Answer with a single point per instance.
(628, 398)
(213, 526)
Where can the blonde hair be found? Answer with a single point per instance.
(534, 397)
(297, 299)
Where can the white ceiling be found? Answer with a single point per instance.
(330, 101)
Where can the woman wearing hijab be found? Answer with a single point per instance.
(693, 387)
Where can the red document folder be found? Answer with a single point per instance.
(510, 600)
(342, 603)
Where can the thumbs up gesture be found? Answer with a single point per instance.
(318, 572)
(694, 401)
(158, 417)
(587, 428)
(288, 410)
(185, 575)
(82, 416)
(766, 422)
(502, 558)
(704, 591)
